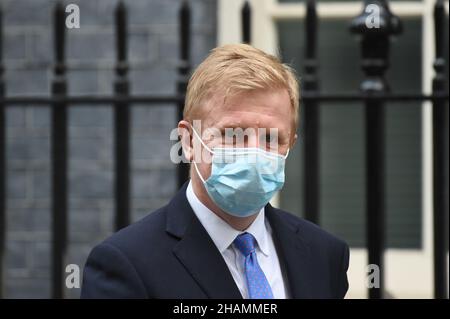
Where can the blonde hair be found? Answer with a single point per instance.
(236, 68)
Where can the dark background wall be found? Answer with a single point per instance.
(28, 56)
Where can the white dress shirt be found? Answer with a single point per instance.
(223, 235)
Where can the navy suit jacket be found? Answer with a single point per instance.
(168, 254)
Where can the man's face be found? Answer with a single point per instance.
(261, 112)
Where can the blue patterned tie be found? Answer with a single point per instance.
(258, 286)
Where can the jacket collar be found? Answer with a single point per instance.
(198, 253)
(293, 252)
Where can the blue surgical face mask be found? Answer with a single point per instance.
(243, 180)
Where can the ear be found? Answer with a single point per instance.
(185, 134)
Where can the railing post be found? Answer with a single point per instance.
(184, 19)
(311, 115)
(375, 40)
(246, 15)
(2, 161)
(121, 123)
(440, 222)
(59, 157)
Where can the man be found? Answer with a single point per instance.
(219, 237)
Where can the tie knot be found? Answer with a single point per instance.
(245, 243)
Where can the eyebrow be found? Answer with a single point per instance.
(233, 126)
(281, 135)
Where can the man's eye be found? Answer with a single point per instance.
(229, 133)
(229, 138)
(270, 138)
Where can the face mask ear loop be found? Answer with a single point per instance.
(287, 153)
(198, 172)
(201, 141)
(207, 148)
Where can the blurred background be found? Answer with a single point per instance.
(153, 35)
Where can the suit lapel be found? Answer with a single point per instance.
(197, 252)
(293, 252)
(201, 258)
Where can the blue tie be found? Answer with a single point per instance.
(257, 284)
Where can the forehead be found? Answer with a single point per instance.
(256, 109)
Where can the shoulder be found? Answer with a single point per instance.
(115, 266)
(142, 242)
(148, 231)
(328, 254)
(310, 233)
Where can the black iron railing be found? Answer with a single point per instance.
(60, 101)
(374, 93)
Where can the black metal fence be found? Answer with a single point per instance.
(374, 93)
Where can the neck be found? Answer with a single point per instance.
(238, 223)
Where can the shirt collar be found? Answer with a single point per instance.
(221, 233)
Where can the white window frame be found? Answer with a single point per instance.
(409, 272)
